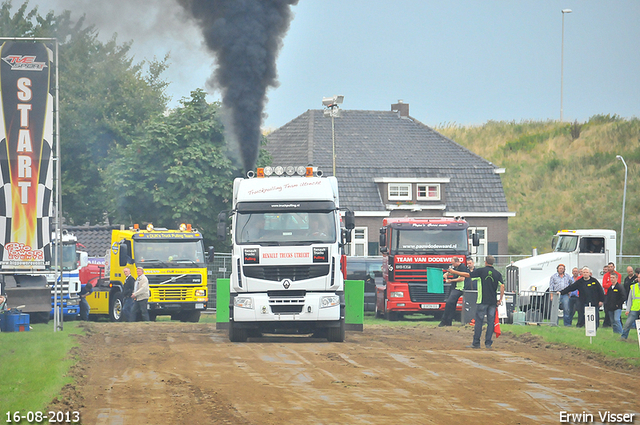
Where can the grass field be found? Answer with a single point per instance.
(33, 366)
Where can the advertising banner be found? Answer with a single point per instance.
(26, 166)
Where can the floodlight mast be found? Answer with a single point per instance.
(331, 103)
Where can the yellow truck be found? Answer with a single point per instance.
(173, 261)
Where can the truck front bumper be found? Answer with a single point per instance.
(313, 308)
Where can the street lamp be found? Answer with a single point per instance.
(562, 62)
(332, 110)
(624, 201)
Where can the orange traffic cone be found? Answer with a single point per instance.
(496, 326)
(472, 322)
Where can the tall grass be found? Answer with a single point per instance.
(554, 182)
(33, 366)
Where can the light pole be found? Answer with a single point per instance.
(332, 110)
(562, 63)
(624, 201)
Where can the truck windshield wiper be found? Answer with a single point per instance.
(187, 260)
(157, 261)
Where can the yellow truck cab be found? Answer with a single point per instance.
(173, 261)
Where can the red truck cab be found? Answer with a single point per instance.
(411, 246)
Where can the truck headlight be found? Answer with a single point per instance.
(533, 288)
(243, 302)
(396, 294)
(200, 293)
(330, 301)
(73, 301)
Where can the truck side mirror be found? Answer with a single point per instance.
(349, 220)
(222, 224)
(383, 237)
(211, 255)
(475, 239)
(123, 255)
(346, 236)
(84, 259)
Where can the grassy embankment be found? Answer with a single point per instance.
(34, 365)
(558, 180)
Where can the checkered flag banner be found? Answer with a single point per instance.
(26, 152)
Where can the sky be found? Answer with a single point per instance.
(454, 62)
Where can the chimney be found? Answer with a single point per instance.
(401, 108)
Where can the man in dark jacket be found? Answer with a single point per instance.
(129, 284)
(613, 300)
(591, 292)
(457, 285)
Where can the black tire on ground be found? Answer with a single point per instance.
(39, 317)
(175, 316)
(115, 307)
(438, 315)
(152, 317)
(336, 334)
(237, 334)
(192, 316)
(391, 316)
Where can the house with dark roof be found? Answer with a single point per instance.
(389, 164)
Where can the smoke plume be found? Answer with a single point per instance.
(246, 36)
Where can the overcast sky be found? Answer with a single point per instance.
(453, 61)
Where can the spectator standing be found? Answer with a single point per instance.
(591, 292)
(574, 299)
(606, 284)
(630, 279)
(557, 283)
(471, 284)
(141, 295)
(490, 282)
(127, 291)
(633, 310)
(84, 304)
(457, 286)
(613, 300)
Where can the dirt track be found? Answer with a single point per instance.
(178, 373)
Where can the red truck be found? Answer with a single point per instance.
(409, 247)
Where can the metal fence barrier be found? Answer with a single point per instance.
(537, 308)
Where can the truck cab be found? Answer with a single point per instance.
(287, 255)
(71, 261)
(593, 248)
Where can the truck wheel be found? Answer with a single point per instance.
(115, 307)
(192, 316)
(391, 316)
(237, 334)
(336, 334)
(152, 317)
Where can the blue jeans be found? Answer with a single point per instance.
(614, 318)
(481, 310)
(127, 312)
(631, 319)
(565, 301)
(84, 309)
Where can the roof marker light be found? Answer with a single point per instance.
(268, 171)
(149, 227)
(183, 227)
(279, 170)
(290, 170)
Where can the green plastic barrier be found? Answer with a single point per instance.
(354, 305)
(222, 303)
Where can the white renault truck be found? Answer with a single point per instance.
(287, 254)
(592, 248)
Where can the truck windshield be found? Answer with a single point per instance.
(69, 261)
(566, 244)
(417, 241)
(169, 253)
(275, 228)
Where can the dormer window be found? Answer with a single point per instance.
(428, 192)
(399, 191)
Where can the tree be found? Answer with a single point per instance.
(179, 171)
(105, 101)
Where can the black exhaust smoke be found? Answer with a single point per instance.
(246, 36)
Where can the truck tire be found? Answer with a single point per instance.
(115, 307)
(237, 334)
(336, 334)
(379, 314)
(391, 316)
(192, 316)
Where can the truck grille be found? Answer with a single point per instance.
(286, 301)
(278, 273)
(419, 294)
(169, 294)
(193, 279)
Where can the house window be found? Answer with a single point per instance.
(399, 191)
(429, 192)
(359, 243)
